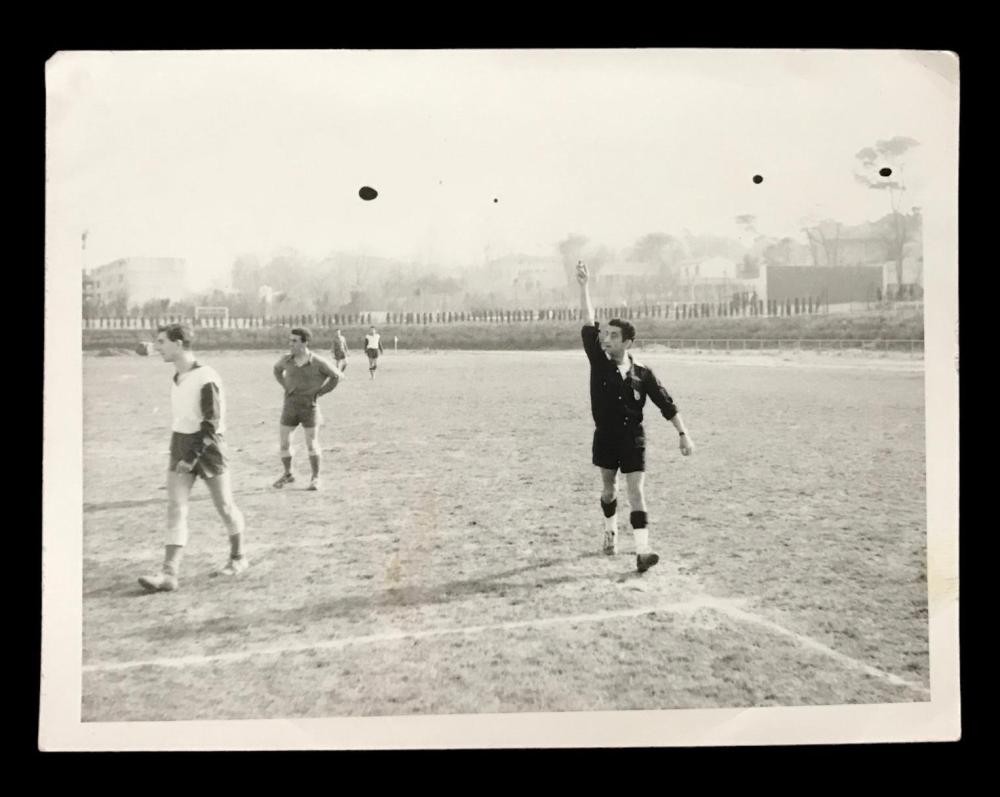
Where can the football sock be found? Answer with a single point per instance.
(314, 463)
(610, 514)
(287, 462)
(235, 546)
(172, 559)
(640, 532)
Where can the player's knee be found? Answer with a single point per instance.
(608, 495)
(313, 448)
(230, 513)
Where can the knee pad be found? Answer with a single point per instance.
(638, 520)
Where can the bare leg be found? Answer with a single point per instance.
(609, 506)
(285, 448)
(645, 557)
(221, 489)
(312, 444)
(178, 492)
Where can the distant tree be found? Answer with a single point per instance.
(663, 251)
(778, 253)
(824, 237)
(577, 247)
(748, 222)
(882, 168)
(154, 308)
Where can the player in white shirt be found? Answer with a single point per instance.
(196, 449)
(373, 348)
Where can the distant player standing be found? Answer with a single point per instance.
(619, 386)
(196, 449)
(305, 376)
(373, 348)
(340, 351)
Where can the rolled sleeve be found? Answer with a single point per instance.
(659, 396)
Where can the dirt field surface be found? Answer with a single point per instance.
(451, 563)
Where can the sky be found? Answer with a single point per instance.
(211, 155)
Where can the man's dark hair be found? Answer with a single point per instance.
(181, 333)
(304, 334)
(628, 331)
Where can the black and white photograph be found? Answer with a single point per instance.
(500, 398)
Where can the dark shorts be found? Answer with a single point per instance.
(212, 462)
(372, 354)
(300, 411)
(616, 450)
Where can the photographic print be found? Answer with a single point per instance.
(500, 398)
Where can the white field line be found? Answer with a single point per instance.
(809, 643)
(685, 607)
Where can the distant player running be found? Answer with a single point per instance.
(196, 449)
(340, 351)
(305, 376)
(619, 385)
(373, 348)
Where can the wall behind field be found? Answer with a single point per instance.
(544, 334)
(832, 285)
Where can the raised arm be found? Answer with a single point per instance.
(586, 307)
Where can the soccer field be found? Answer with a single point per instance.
(451, 564)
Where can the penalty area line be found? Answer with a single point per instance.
(391, 636)
(685, 607)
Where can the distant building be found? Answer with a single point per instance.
(136, 280)
(89, 296)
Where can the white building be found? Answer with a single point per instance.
(140, 279)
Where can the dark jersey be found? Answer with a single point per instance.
(615, 402)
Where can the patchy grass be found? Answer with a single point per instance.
(459, 497)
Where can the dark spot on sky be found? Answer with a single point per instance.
(367, 192)
(495, 200)
(885, 171)
(758, 179)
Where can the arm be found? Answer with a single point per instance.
(586, 307)
(332, 375)
(590, 332)
(279, 370)
(661, 398)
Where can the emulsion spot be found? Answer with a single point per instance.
(758, 179)
(495, 200)
(885, 171)
(367, 193)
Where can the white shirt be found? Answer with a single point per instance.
(186, 399)
(373, 341)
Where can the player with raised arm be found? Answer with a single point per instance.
(305, 376)
(619, 385)
(197, 449)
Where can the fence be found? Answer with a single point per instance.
(677, 311)
(783, 344)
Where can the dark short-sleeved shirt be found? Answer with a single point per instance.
(304, 381)
(617, 403)
(339, 347)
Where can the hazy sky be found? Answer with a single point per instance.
(209, 155)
